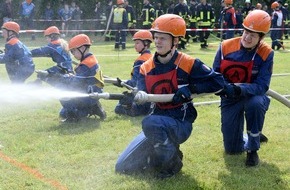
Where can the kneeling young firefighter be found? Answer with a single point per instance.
(156, 148)
(87, 79)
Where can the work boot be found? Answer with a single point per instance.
(263, 138)
(179, 152)
(171, 168)
(98, 110)
(252, 159)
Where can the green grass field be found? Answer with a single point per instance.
(38, 152)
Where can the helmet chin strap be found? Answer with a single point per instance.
(82, 52)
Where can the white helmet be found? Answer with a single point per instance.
(247, 1)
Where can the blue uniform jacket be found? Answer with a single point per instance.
(85, 75)
(136, 68)
(16, 54)
(202, 78)
(57, 53)
(262, 68)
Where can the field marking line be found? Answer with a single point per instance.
(33, 172)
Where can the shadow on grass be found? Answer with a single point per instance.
(83, 126)
(238, 177)
(180, 181)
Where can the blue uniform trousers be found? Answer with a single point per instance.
(234, 113)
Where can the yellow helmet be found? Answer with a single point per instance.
(257, 21)
(78, 41)
(11, 26)
(170, 24)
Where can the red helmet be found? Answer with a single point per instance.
(274, 5)
(78, 41)
(228, 2)
(119, 2)
(11, 26)
(170, 24)
(51, 30)
(28, 1)
(143, 35)
(258, 21)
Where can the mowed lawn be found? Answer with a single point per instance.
(38, 152)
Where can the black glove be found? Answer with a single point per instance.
(118, 83)
(128, 99)
(44, 75)
(1, 51)
(230, 91)
(182, 95)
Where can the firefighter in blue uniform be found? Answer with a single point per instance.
(120, 23)
(148, 14)
(156, 148)
(57, 49)
(126, 106)
(131, 17)
(229, 19)
(181, 9)
(205, 19)
(17, 57)
(87, 79)
(246, 63)
(277, 22)
(192, 20)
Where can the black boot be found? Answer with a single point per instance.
(263, 138)
(98, 110)
(170, 168)
(252, 159)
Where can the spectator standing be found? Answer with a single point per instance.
(192, 20)
(158, 9)
(171, 7)
(65, 16)
(229, 19)
(286, 32)
(131, 17)
(120, 23)
(205, 19)
(26, 12)
(7, 11)
(77, 16)
(181, 9)
(147, 15)
(98, 14)
(277, 22)
(48, 15)
(109, 34)
(239, 19)
(246, 8)
(285, 13)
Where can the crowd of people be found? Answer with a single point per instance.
(198, 14)
(240, 75)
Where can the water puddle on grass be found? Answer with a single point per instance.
(26, 94)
